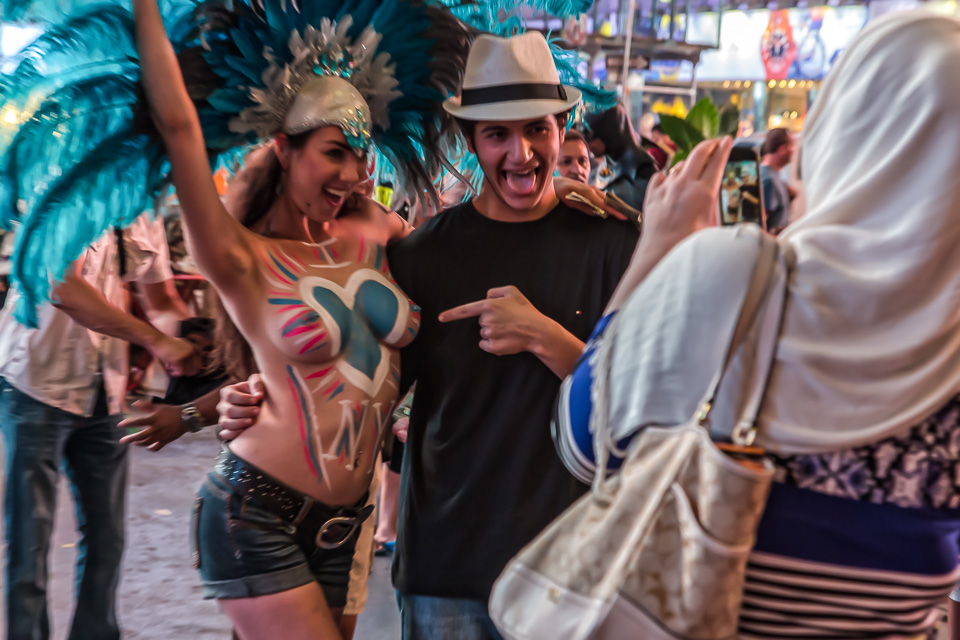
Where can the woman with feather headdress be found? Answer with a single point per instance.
(276, 522)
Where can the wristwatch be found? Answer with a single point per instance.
(191, 418)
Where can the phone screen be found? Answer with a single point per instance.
(740, 192)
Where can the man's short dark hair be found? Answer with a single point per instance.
(575, 136)
(775, 139)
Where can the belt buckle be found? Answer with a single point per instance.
(351, 522)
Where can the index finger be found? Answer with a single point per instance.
(469, 310)
(694, 164)
(718, 162)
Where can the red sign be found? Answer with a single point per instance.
(778, 48)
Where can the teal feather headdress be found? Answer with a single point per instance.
(83, 155)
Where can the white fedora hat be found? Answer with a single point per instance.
(511, 79)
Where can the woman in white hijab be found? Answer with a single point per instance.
(860, 534)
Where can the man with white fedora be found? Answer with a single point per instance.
(511, 284)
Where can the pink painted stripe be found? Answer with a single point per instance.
(312, 342)
(319, 374)
(299, 261)
(265, 258)
(336, 383)
(300, 330)
(362, 246)
(334, 253)
(286, 260)
(277, 275)
(294, 318)
(303, 429)
(289, 307)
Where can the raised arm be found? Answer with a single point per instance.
(217, 242)
(676, 207)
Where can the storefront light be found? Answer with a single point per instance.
(747, 84)
(772, 84)
(794, 115)
(792, 84)
(726, 84)
(783, 84)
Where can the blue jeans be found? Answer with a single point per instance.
(39, 440)
(431, 618)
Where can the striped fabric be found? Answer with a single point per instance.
(790, 598)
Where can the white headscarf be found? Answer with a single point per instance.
(871, 335)
(870, 340)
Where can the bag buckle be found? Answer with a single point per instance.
(703, 415)
(336, 531)
(744, 434)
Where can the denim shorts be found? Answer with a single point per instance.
(243, 550)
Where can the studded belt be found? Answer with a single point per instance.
(330, 527)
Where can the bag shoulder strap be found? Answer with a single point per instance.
(753, 297)
(760, 297)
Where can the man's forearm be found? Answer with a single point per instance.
(87, 307)
(557, 348)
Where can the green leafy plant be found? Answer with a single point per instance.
(703, 122)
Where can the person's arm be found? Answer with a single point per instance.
(163, 305)
(217, 241)
(87, 307)
(771, 198)
(163, 423)
(676, 207)
(510, 324)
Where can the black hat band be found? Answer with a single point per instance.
(512, 93)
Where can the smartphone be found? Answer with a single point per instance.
(741, 195)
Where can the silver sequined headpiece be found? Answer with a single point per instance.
(331, 80)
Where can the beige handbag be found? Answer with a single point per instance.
(658, 550)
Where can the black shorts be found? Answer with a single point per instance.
(243, 550)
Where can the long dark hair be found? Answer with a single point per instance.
(231, 350)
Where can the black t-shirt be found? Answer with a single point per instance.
(481, 477)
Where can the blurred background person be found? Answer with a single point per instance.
(574, 162)
(776, 154)
(660, 147)
(611, 135)
(62, 389)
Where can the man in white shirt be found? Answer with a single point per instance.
(62, 390)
